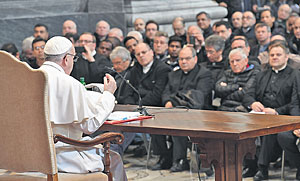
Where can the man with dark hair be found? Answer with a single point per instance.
(224, 30)
(271, 93)
(266, 16)
(190, 86)
(105, 48)
(150, 30)
(89, 65)
(247, 29)
(41, 30)
(203, 21)
(214, 47)
(148, 76)
(12, 49)
(38, 45)
(130, 43)
(263, 36)
(174, 46)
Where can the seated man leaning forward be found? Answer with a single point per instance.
(74, 110)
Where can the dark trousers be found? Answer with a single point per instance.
(270, 150)
(178, 149)
(180, 144)
(287, 141)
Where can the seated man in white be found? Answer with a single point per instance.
(73, 110)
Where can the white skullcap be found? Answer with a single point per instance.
(57, 46)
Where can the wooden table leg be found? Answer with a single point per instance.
(225, 155)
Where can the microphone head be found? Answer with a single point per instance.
(109, 68)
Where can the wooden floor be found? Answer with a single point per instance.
(136, 171)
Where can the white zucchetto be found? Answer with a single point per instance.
(57, 45)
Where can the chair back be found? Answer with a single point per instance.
(26, 139)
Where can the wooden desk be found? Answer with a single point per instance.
(224, 138)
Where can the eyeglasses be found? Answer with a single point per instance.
(39, 47)
(247, 17)
(75, 57)
(86, 41)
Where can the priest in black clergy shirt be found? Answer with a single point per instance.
(190, 86)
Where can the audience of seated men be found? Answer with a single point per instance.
(271, 93)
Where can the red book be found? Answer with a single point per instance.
(140, 118)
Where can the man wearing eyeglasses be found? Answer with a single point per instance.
(38, 45)
(89, 62)
(73, 110)
(190, 86)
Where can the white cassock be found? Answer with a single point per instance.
(74, 110)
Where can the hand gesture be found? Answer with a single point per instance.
(109, 84)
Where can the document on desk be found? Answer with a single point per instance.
(118, 117)
(255, 112)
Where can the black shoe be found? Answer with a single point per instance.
(180, 166)
(298, 174)
(249, 172)
(139, 151)
(163, 163)
(261, 175)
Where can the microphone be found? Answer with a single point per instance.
(142, 110)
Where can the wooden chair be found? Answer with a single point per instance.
(27, 143)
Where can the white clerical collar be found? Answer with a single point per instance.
(54, 65)
(276, 71)
(147, 67)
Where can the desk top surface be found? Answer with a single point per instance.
(207, 124)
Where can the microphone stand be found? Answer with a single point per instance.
(142, 110)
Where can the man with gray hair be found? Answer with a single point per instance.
(73, 110)
(116, 32)
(160, 45)
(214, 47)
(101, 32)
(236, 81)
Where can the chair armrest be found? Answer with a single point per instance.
(105, 137)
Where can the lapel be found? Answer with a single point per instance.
(285, 75)
(263, 83)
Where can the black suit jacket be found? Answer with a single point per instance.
(284, 92)
(149, 85)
